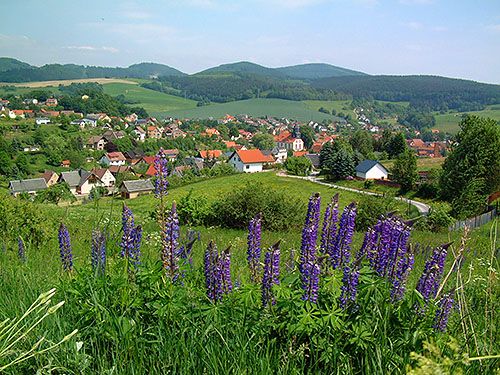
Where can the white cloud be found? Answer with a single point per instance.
(293, 4)
(413, 25)
(494, 28)
(90, 48)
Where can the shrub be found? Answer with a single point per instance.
(280, 210)
(193, 210)
(370, 208)
(428, 190)
(437, 220)
(369, 184)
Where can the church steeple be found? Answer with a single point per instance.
(296, 131)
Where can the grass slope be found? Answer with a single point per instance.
(449, 121)
(254, 107)
(152, 101)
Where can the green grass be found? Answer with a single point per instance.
(449, 122)
(423, 164)
(152, 101)
(337, 105)
(277, 108)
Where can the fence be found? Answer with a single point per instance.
(475, 221)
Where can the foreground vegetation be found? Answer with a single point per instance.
(139, 321)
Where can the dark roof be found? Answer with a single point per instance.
(366, 165)
(134, 154)
(74, 178)
(32, 184)
(314, 158)
(136, 186)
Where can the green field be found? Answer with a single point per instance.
(152, 101)
(337, 105)
(449, 121)
(277, 108)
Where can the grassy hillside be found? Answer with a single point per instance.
(337, 105)
(254, 107)
(152, 101)
(449, 121)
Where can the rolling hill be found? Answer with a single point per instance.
(277, 108)
(7, 63)
(317, 71)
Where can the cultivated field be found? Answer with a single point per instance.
(254, 107)
(67, 82)
(152, 101)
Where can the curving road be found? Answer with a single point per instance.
(422, 208)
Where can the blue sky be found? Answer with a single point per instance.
(453, 38)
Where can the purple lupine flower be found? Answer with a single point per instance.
(310, 281)
(170, 244)
(98, 253)
(131, 238)
(254, 247)
(349, 286)
(444, 305)
(65, 249)
(217, 272)
(329, 230)
(428, 283)
(161, 175)
(271, 274)
(184, 251)
(128, 225)
(21, 252)
(310, 231)
(404, 268)
(340, 252)
(237, 283)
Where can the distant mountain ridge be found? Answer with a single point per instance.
(302, 72)
(15, 71)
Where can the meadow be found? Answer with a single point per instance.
(277, 108)
(139, 321)
(449, 122)
(152, 101)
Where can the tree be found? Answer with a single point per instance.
(405, 171)
(473, 160)
(307, 136)
(397, 145)
(362, 142)
(299, 166)
(337, 159)
(343, 165)
(55, 194)
(263, 141)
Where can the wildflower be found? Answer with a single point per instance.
(98, 252)
(349, 286)
(290, 264)
(170, 244)
(310, 281)
(271, 274)
(65, 249)
(329, 230)
(428, 283)
(21, 252)
(254, 247)
(184, 251)
(131, 238)
(217, 272)
(340, 252)
(445, 305)
(161, 175)
(310, 231)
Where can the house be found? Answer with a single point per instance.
(289, 141)
(155, 132)
(132, 189)
(116, 169)
(279, 154)
(210, 154)
(96, 142)
(133, 156)
(73, 178)
(65, 163)
(104, 176)
(371, 170)
(42, 121)
(110, 136)
(171, 153)
(314, 158)
(90, 120)
(140, 134)
(50, 177)
(51, 102)
(113, 158)
(81, 123)
(249, 160)
(31, 148)
(180, 170)
(30, 186)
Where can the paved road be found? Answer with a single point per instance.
(422, 208)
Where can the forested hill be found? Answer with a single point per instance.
(301, 72)
(12, 70)
(424, 92)
(316, 71)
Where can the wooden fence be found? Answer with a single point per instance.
(475, 222)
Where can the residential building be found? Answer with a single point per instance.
(42, 121)
(50, 177)
(30, 186)
(249, 161)
(132, 189)
(371, 170)
(113, 158)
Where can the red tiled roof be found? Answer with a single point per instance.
(210, 154)
(113, 156)
(299, 153)
(254, 156)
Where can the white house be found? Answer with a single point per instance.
(249, 160)
(42, 121)
(371, 170)
(113, 158)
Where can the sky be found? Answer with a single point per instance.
(452, 38)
